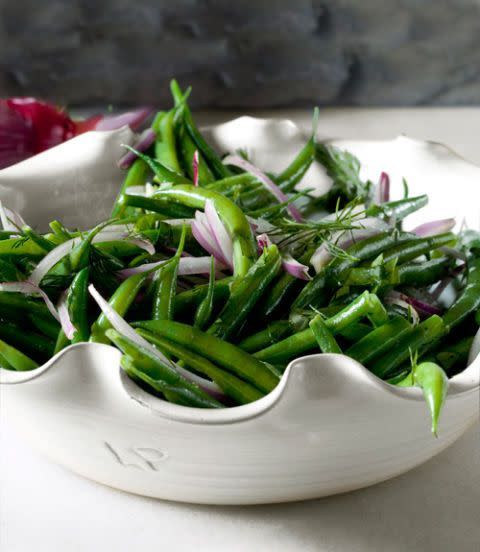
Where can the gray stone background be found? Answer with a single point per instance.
(242, 53)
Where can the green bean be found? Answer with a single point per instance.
(161, 171)
(20, 247)
(165, 147)
(414, 248)
(379, 340)
(274, 332)
(434, 384)
(151, 365)
(159, 205)
(399, 209)
(35, 344)
(213, 161)
(246, 292)
(15, 358)
(355, 331)
(324, 336)
(469, 300)
(77, 304)
(236, 224)
(454, 357)
(304, 341)
(37, 238)
(205, 308)
(426, 333)
(137, 175)
(7, 234)
(9, 272)
(61, 342)
(120, 301)
(49, 327)
(424, 273)
(18, 306)
(317, 292)
(220, 352)
(173, 393)
(59, 231)
(165, 285)
(189, 300)
(232, 386)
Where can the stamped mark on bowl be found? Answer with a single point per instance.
(143, 458)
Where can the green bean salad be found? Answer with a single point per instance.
(211, 276)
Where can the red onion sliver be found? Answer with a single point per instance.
(293, 267)
(65, 320)
(186, 266)
(396, 298)
(343, 239)
(434, 227)
(145, 140)
(11, 220)
(51, 259)
(383, 188)
(131, 118)
(124, 328)
(263, 241)
(202, 233)
(238, 161)
(222, 237)
(195, 162)
(28, 287)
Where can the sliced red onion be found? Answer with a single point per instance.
(124, 328)
(396, 298)
(195, 162)
(51, 259)
(186, 266)
(383, 189)
(142, 243)
(131, 118)
(238, 161)
(222, 237)
(203, 233)
(421, 307)
(145, 140)
(11, 220)
(296, 269)
(434, 227)
(263, 241)
(27, 287)
(64, 316)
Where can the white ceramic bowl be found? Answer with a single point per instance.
(330, 426)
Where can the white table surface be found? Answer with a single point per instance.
(435, 507)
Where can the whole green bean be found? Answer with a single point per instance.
(416, 247)
(246, 292)
(426, 333)
(234, 387)
(47, 326)
(274, 332)
(137, 175)
(77, 304)
(165, 285)
(32, 343)
(165, 146)
(222, 353)
(324, 336)
(304, 341)
(151, 365)
(425, 273)
(205, 308)
(379, 340)
(434, 384)
(469, 300)
(398, 209)
(189, 300)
